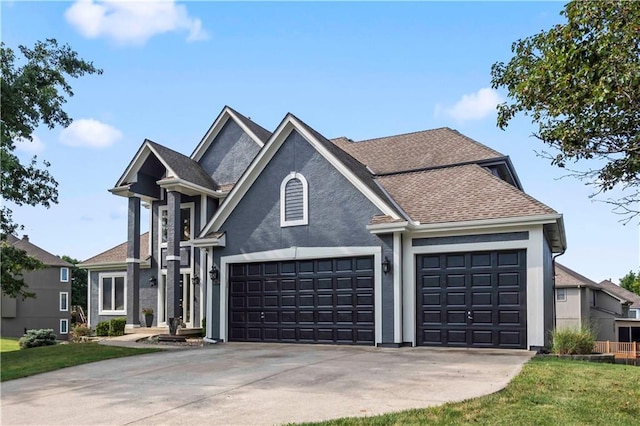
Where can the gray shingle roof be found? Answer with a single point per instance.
(418, 150)
(566, 277)
(118, 254)
(621, 292)
(34, 251)
(262, 133)
(186, 168)
(459, 193)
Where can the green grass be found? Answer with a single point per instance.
(27, 362)
(8, 344)
(548, 391)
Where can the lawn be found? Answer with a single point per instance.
(8, 344)
(27, 362)
(548, 391)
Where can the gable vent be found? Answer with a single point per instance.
(294, 202)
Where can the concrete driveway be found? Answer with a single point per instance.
(245, 383)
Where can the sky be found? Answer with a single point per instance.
(355, 69)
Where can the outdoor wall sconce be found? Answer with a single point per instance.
(214, 273)
(196, 280)
(386, 265)
(153, 281)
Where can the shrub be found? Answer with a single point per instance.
(36, 338)
(102, 329)
(79, 332)
(572, 341)
(204, 326)
(116, 326)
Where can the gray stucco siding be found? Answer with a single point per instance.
(229, 154)
(338, 215)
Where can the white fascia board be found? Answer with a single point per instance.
(215, 129)
(188, 188)
(381, 204)
(211, 242)
(387, 228)
(264, 157)
(488, 223)
(115, 266)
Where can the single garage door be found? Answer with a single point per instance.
(303, 301)
(472, 299)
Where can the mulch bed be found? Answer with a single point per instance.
(191, 341)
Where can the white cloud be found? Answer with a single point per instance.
(134, 22)
(88, 132)
(474, 106)
(34, 146)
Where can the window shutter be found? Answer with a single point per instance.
(294, 200)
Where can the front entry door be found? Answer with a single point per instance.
(185, 302)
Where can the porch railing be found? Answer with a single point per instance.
(624, 350)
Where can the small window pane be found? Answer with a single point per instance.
(64, 326)
(64, 302)
(163, 225)
(119, 293)
(185, 223)
(561, 294)
(106, 294)
(64, 275)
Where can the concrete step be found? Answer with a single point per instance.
(147, 330)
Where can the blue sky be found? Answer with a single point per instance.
(360, 70)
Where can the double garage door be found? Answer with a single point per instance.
(304, 301)
(472, 299)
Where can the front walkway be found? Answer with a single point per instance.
(245, 383)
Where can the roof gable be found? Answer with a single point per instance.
(355, 172)
(117, 254)
(566, 277)
(457, 194)
(258, 134)
(621, 292)
(417, 150)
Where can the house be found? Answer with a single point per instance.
(608, 308)
(50, 309)
(424, 238)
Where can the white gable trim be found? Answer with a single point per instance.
(138, 161)
(215, 129)
(264, 157)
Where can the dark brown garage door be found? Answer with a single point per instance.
(472, 299)
(304, 301)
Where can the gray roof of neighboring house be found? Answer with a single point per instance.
(117, 254)
(566, 277)
(621, 292)
(34, 251)
(183, 166)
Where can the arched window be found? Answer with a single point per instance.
(294, 207)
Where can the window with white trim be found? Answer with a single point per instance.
(186, 223)
(64, 326)
(294, 203)
(561, 294)
(64, 275)
(113, 291)
(64, 301)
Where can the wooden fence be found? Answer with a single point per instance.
(624, 350)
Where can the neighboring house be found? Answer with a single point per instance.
(627, 329)
(51, 308)
(424, 238)
(581, 302)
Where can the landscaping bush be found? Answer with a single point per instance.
(204, 327)
(102, 329)
(79, 333)
(571, 341)
(36, 338)
(116, 326)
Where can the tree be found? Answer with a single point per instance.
(631, 282)
(33, 93)
(580, 83)
(14, 263)
(78, 283)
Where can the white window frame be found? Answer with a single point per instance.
(192, 217)
(305, 201)
(100, 298)
(64, 274)
(64, 308)
(64, 326)
(562, 298)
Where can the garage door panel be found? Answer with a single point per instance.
(472, 299)
(310, 301)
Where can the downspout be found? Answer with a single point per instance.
(553, 269)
